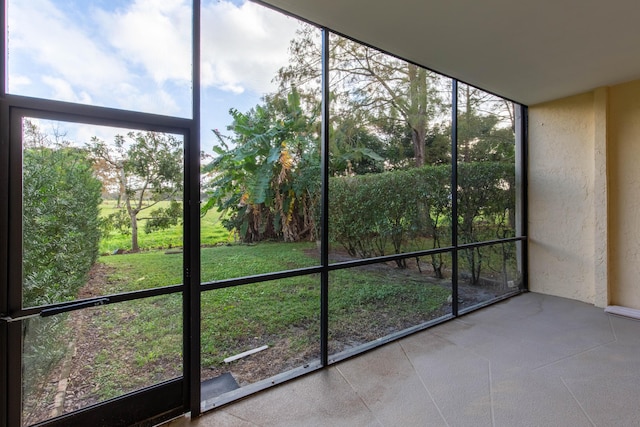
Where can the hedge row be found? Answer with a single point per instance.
(61, 199)
(61, 234)
(378, 214)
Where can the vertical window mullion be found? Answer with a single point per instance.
(192, 295)
(324, 247)
(454, 196)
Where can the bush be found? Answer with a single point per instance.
(371, 215)
(60, 244)
(60, 223)
(486, 201)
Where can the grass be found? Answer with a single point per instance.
(365, 303)
(211, 230)
(147, 334)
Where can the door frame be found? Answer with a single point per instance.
(160, 401)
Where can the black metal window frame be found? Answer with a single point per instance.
(14, 107)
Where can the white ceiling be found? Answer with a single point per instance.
(530, 51)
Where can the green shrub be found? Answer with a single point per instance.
(375, 214)
(371, 215)
(60, 244)
(60, 223)
(486, 201)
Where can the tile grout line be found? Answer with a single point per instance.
(613, 329)
(423, 384)
(579, 404)
(546, 365)
(359, 397)
(243, 419)
(493, 415)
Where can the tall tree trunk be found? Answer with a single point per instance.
(418, 137)
(122, 188)
(134, 233)
(417, 114)
(133, 215)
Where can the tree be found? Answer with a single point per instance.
(148, 169)
(354, 148)
(267, 174)
(486, 127)
(365, 79)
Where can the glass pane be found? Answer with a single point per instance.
(260, 138)
(371, 302)
(77, 359)
(229, 261)
(488, 272)
(277, 321)
(93, 192)
(390, 154)
(486, 166)
(127, 54)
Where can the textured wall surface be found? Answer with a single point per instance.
(561, 198)
(584, 196)
(624, 194)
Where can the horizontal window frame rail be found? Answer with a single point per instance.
(258, 278)
(79, 304)
(491, 242)
(265, 277)
(246, 280)
(47, 109)
(495, 300)
(250, 389)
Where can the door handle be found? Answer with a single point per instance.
(71, 307)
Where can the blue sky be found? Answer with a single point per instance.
(135, 54)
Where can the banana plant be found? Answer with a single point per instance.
(266, 173)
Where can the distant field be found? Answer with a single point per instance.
(211, 232)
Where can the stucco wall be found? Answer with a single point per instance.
(624, 195)
(584, 196)
(561, 198)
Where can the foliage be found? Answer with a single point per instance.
(60, 223)
(486, 201)
(212, 232)
(433, 200)
(482, 134)
(267, 175)
(60, 241)
(371, 214)
(353, 148)
(147, 167)
(381, 91)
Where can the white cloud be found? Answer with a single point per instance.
(18, 81)
(138, 55)
(64, 54)
(155, 34)
(243, 46)
(63, 91)
(52, 40)
(151, 100)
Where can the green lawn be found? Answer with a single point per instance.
(365, 304)
(211, 230)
